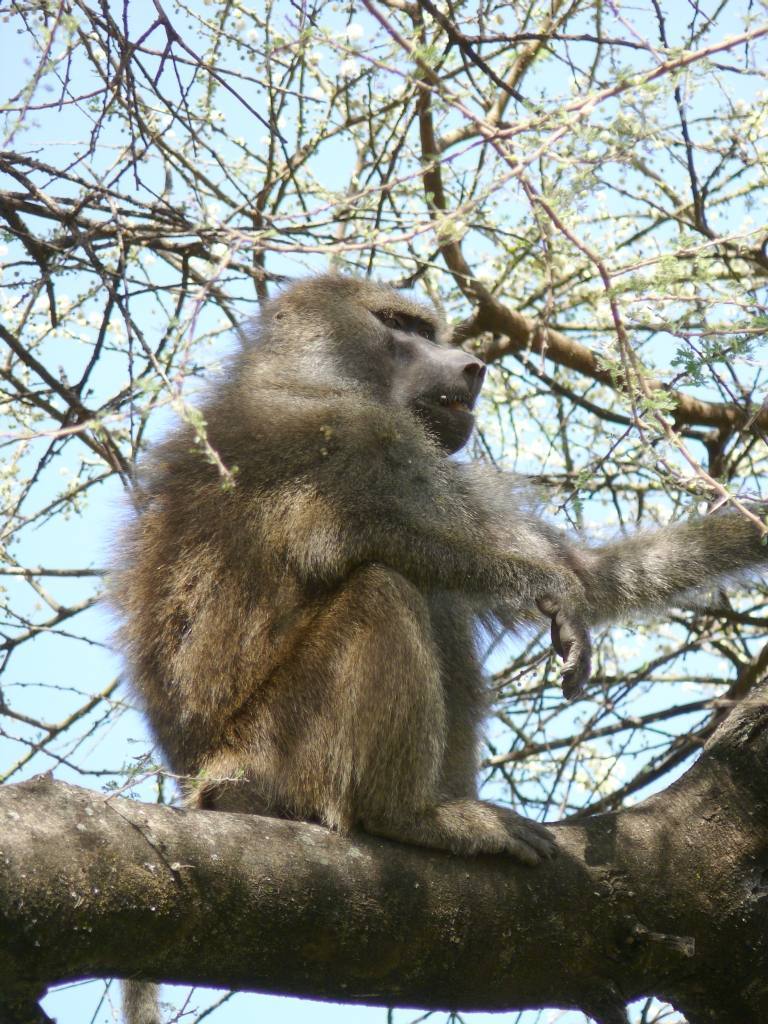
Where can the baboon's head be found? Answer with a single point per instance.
(345, 332)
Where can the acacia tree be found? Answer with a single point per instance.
(579, 184)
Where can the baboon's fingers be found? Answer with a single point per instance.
(557, 641)
(578, 660)
(530, 841)
(524, 852)
(571, 641)
(550, 607)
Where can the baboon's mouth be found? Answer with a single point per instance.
(458, 400)
(454, 404)
(447, 413)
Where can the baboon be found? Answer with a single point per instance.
(302, 640)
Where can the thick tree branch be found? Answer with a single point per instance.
(647, 901)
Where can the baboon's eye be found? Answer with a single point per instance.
(391, 320)
(404, 322)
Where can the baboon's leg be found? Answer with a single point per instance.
(397, 713)
(352, 731)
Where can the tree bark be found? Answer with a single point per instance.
(669, 898)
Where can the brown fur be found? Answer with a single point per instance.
(302, 641)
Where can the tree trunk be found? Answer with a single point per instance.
(669, 898)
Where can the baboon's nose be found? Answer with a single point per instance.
(474, 374)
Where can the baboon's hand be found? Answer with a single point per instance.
(469, 827)
(528, 841)
(571, 640)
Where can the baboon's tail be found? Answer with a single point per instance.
(141, 1004)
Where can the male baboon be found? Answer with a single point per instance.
(302, 641)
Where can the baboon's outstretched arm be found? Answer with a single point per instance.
(653, 570)
(646, 572)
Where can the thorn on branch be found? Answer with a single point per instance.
(674, 945)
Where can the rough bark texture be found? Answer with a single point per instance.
(669, 898)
